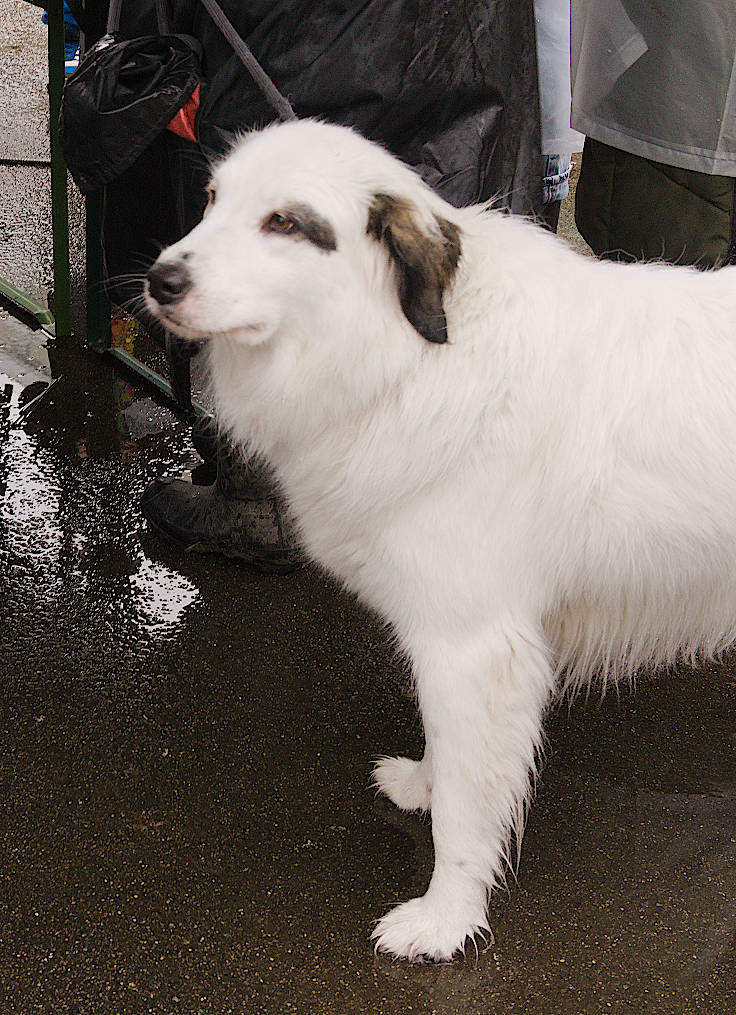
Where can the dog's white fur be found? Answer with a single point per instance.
(548, 497)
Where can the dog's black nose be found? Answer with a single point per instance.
(167, 283)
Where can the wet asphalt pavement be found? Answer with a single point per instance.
(185, 819)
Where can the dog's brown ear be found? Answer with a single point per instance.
(425, 264)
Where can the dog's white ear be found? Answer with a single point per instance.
(425, 263)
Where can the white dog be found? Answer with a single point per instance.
(523, 459)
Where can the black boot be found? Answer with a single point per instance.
(205, 439)
(240, 515)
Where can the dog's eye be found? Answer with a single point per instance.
(210, 199)
(280, 223)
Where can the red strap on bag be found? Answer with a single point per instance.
(182, 123)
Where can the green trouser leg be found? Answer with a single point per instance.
(629, 208)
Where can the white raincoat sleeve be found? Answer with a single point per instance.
(553, 60)
(658, 79)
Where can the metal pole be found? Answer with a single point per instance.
(59, 197)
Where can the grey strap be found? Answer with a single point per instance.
(113, 16)
(279, 102)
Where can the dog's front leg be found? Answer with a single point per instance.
(482, 706)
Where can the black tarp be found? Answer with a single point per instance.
(450, 87)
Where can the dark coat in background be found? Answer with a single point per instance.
(449, 87)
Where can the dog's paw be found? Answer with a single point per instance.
(404, 782)
(423, 931)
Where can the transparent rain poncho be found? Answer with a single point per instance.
(658, 79)
(553, 59)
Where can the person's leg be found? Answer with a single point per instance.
(240, 515)
(550, 215)
(555, 188)
(633, 209)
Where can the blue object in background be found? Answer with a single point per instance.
(71, 40)
(69, 22)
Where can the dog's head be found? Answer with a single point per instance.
(307, 219)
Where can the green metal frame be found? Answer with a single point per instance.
(30, 311)
(58, 323)
(24, 306)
